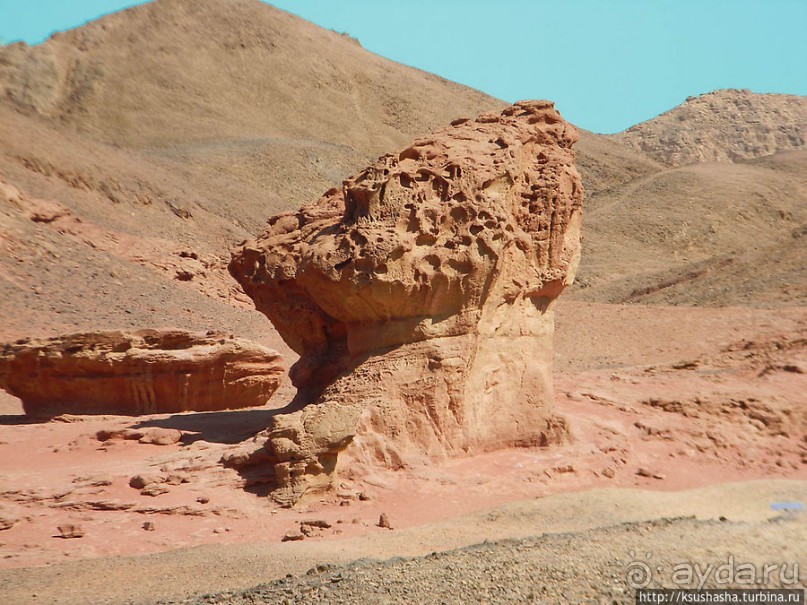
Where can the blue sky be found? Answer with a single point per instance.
(607, 64)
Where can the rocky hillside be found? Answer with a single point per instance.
(705, 234)
(722, 126)
(236, 89)
(138, 150)
(703, 205)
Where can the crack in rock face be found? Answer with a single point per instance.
(419, 297)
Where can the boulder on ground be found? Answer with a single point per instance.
(69, 530)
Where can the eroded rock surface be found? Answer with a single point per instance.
(418, 296)
(144, 372)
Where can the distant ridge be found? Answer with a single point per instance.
(722, 126)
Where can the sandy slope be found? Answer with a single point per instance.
(714, 234)
(572, 567)
(232, 88)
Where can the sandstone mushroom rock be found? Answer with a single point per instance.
(419, 297)
(144, 372)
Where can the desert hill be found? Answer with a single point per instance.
(168, 133)
(722, 126)
(712, 214)
(93, 235)
(137, 150)
(711, 233)
(234, 88)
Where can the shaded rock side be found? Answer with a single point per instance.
(418, 296)
(144, 372)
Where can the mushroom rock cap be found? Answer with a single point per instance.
(437, 264)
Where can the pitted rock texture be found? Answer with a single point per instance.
(418, 296)
(144, 372)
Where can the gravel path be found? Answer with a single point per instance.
(565, 548)
(585, 567)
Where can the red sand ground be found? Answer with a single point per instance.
(721, 401)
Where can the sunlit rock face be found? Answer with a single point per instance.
(143, 372)
(419, 297)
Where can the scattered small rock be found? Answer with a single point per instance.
(321, 523)
(609, 472)
(110, 434)
(154, 489)
(107, 505)
(160, 436)
(203, 499)
(177, 479)
(310, 532)
(106, 434)
(7, 522)
(364, 497)
(69, 418)
(172, 510)
(70, 531)
(322, 567)
(149, 526)
(293, 536)
(144, 480)
(644, 472)
(383, 521)
(94, 481)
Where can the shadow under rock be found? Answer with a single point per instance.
(231, 426)
(15, 419)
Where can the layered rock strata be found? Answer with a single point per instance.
(144, 372)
